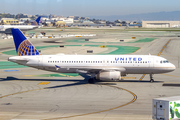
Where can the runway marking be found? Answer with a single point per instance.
(170, 75)
(43, 83)
(134, 99)
(157, 55)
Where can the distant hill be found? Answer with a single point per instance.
(174, 16)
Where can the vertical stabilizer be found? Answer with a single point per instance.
(23, 46)
(36, 22)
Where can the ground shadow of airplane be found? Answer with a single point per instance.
(85, 81)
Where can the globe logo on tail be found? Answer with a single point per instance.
(26, 48)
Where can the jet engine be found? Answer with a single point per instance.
(109, 75)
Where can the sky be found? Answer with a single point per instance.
(87, 7)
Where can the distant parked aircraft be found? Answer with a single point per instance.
(7, 28)
(175, 26)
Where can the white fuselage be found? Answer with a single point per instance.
(126, 64)
(21, 27)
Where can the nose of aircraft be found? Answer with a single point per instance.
(172, 67)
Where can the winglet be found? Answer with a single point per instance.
(23, 46)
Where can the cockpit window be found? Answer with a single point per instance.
(164, 61)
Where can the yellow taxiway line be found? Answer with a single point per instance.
(21, 92)
(157, 55)
(134, 99)
(43, 83)
(142, 77)
(163, 48)
(170, 75)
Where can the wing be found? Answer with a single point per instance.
(95, 69)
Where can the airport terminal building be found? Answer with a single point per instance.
(160, 24)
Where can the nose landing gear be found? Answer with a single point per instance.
(151, 78)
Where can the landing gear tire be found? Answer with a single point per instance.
(152, 80)
(91, 81)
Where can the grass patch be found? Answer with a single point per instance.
(120, 50)
(8, 65)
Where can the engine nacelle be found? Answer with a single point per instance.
(109, 75)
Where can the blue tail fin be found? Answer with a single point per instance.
(23, 46)
(36, 22)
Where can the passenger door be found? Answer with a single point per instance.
(151, 62)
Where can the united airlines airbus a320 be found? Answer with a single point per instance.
(102, 67)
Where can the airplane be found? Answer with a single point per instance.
(175, 26)
(7, 28)
(97, 67)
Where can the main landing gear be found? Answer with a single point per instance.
(92, 80)
(151, 78)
